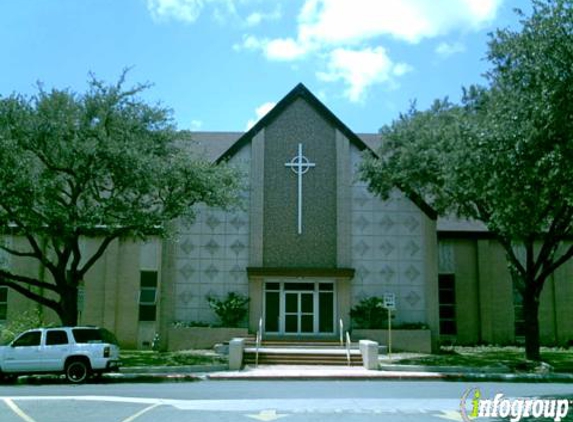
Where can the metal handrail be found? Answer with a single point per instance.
(341, 323)
(258, 341)
(348, 344)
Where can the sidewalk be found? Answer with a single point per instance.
(303, 372)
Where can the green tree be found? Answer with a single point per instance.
(503, 155)
(103, 164)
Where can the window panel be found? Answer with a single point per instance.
(272, 308)
(291, 302)
(56, 337)
(307, 324)
(307, 302)
(326, 312)
(29, 339)
(3, 303)
(272, 286)
(147, 313)
(447, 304)
(291, 323)
(147, 296)
(3, 294)
(299, 286)
(148, 278)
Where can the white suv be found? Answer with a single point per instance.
(77, 352)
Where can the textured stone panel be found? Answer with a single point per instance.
(316, 246)
(212, 254)
(387, 249)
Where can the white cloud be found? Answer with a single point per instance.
(188, 10)
(260, 112)
(283, 49)
(338, 22)
(339, 34)
(257, 18)
(445, 49)
(196, 124)
(359, 69)
(327, 24)
(279, 49)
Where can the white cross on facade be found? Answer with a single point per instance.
(299, 165)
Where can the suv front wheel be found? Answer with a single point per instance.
(77, 371)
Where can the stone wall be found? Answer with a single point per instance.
(211, 255)
(387, 239)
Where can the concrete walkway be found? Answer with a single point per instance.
(304, 372)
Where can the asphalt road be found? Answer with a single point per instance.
(256, 400)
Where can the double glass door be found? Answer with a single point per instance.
(299, 308)
(299, 312)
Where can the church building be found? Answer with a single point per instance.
(307, 243)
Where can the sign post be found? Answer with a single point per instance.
(390, 305)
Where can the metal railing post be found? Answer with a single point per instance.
(348, 343)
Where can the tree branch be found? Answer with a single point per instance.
(76, 253)
(39, 254)
(27, 280)
(17, 252)
(30, 294)
(511, 255)
(558, 225)
(550, 268)
(100, 251)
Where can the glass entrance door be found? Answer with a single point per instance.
(299, 308)
(299, 313)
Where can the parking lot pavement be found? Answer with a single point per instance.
(97, 409)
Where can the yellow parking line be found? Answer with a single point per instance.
(18, 411)
(138, 414)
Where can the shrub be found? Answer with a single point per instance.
(411, 326)
(370, 313)
(232, 310)
(25, 321)
(190, 324)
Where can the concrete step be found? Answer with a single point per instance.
(297, 344)
(301, 359)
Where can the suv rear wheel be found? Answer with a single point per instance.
(77, 371)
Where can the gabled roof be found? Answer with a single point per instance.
(368, 142)
(212, 145)
(299, 91)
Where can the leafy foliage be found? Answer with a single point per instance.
(503, 155)
(102, 164)
(25, 321)
(370, 313)
(232, 310)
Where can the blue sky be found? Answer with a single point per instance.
(220, 64)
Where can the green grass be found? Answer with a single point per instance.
(182, 358)
(486, 356)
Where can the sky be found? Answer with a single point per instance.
(220, 65)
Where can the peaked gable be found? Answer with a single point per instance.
(300, 91)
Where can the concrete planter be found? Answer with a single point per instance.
(182, 338)
(402, 340)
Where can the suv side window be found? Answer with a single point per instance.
(31, 338)
(56, 337)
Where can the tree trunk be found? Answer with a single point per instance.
(531, 317)
(69, 307)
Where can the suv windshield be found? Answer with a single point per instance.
(93, 335)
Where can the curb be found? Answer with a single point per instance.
(173, 369)
(221, 373)
(399, 376)
(501, 369)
